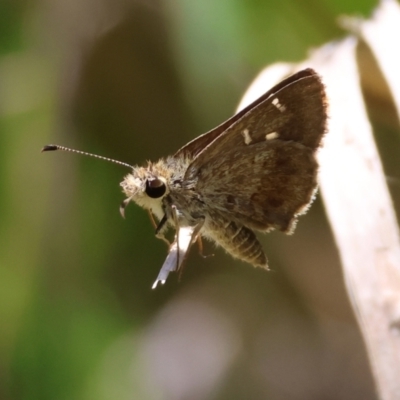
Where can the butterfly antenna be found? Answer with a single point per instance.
(54, 147)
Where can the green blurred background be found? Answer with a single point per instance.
(135, 80)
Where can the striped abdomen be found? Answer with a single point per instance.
(236, 239)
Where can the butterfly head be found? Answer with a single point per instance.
(146, 187)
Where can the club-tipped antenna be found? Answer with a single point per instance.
(54, 147)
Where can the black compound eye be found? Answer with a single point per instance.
(155, 188)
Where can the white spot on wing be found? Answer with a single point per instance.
(246, 136)
(278, 105)
(272, 135)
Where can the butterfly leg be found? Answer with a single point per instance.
(152, 220)
(176, 223)
(195, 237)
(171, 263)
(160, 228)
(201, 248)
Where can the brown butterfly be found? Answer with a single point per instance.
(256, 171)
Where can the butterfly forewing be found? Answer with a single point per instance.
(197, 145)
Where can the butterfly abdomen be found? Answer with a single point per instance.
(237, 240)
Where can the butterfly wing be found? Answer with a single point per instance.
(196, 146)
(261, 171)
